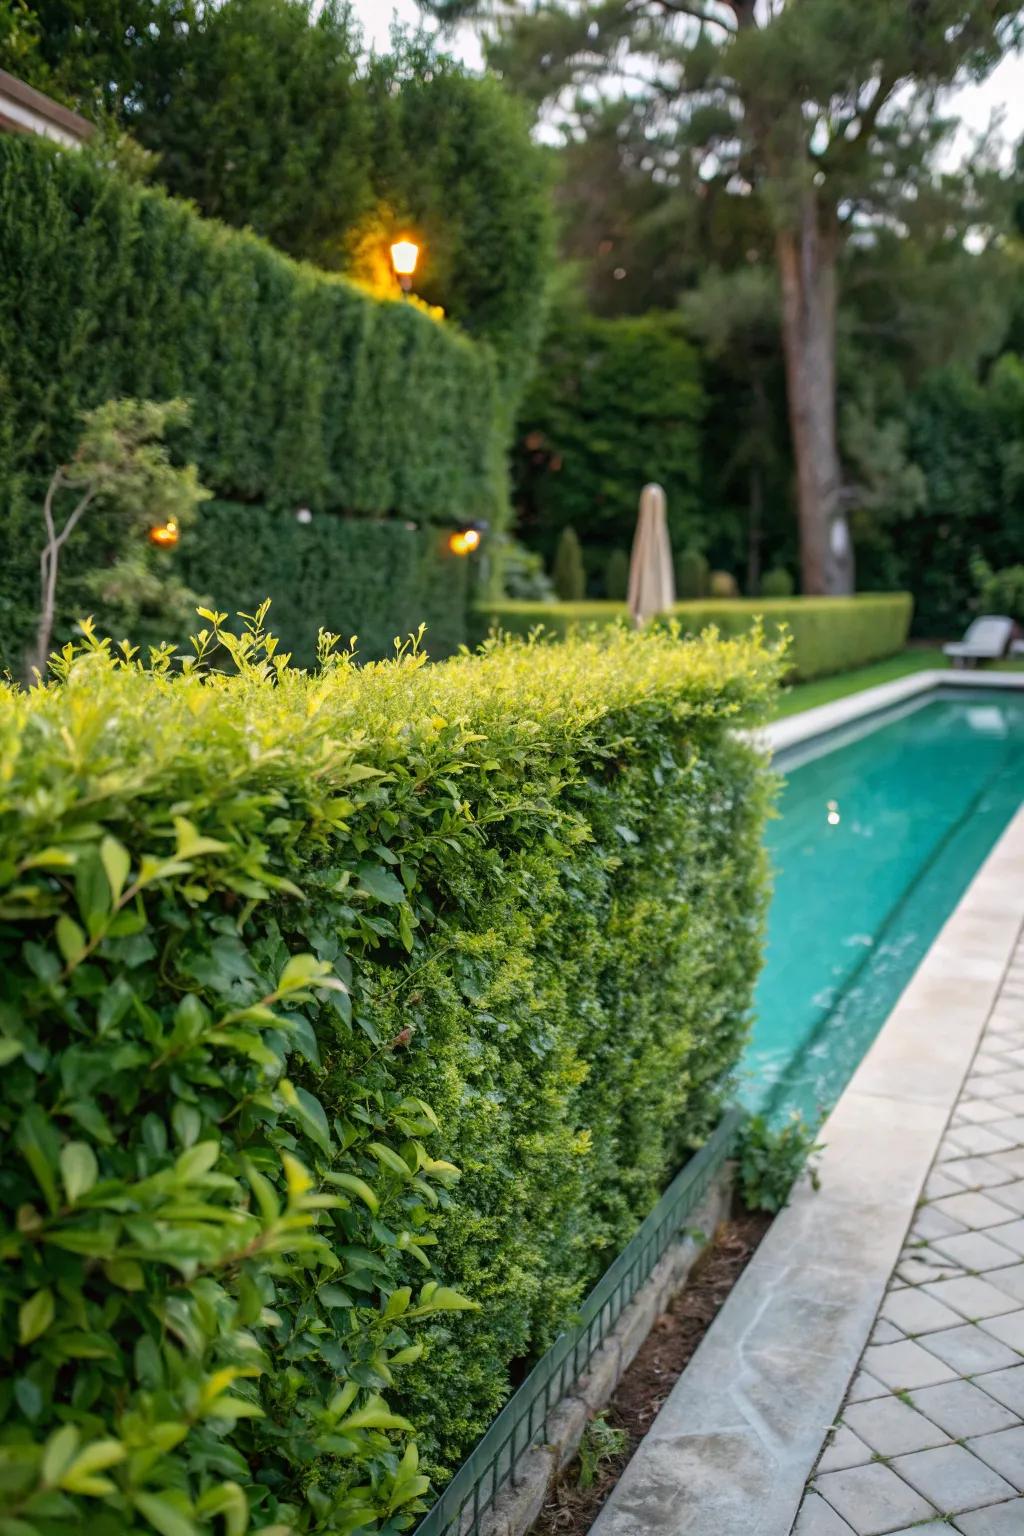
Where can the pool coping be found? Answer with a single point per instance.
(731, 1450)
(824, 718)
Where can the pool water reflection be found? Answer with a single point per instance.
(880, 829)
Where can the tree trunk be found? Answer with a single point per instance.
(806, 252)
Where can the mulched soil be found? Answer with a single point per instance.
(570, 1509)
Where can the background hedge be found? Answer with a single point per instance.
(352, 576)
(613, 404)
(277, 951)
(305, 390)
(828, 634)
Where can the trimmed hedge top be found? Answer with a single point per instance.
(280, 953)
(827, 634)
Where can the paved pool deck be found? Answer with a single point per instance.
(932, 1429)
(740, 1439)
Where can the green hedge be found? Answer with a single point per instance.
(369, 579)
(279, 953)
(828, 634)
(613, 404)
(304, 389)
(355, 576)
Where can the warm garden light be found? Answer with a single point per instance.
(404, 256)
(464, 540)
(166, 535)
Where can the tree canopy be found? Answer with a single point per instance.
(822, 116)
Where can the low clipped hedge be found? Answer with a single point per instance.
(827, 634)
(282, 953)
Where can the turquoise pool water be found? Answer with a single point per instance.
(881, 828)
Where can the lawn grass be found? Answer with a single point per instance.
(824, 689)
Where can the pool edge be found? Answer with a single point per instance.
(731, 1450)
(823, 718)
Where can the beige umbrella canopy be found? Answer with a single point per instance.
(652, 587)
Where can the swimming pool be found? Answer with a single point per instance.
(881, 827)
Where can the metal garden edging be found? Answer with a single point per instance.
(522, 1423)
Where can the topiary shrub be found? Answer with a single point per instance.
(722, 584)
(616, 576)
(280, 952)
(691, 575)
(777, 583)
(568, 573)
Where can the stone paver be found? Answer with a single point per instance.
(873, 1498)
(997, 1520)
(1004, 1452)
(933, 1424)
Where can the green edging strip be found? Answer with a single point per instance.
(522, 1422)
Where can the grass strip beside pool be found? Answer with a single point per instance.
(824, 690)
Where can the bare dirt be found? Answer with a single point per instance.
(571, 1509)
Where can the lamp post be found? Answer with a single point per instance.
(404, 256)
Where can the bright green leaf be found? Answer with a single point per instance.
(79, 1169)
(35, 1315)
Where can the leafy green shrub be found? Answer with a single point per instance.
(616, 576)
(967, 436)
(122, 470)
(691, 575)
(771, 1158)
(523, 574)
(777, 583)
(613, 404)
(280, 952)
(999, 591)
(827, 634)
(722, 584)
(568, 574)
(601, 1442)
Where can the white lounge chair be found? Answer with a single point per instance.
(987, 639)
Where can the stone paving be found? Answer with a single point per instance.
(930, 1438)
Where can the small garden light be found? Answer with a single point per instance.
(166, 535)
(404, 256)
(464, 540)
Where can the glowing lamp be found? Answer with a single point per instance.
(404, 256)
(464, 540)
(166, 535)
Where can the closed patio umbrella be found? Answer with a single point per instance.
(652, 586)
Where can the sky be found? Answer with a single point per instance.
(1002, 92)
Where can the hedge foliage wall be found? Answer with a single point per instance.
(348, 575)
(826, 634)
(968, 438)
(613, 404)
(304, 390)
(281, 956)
